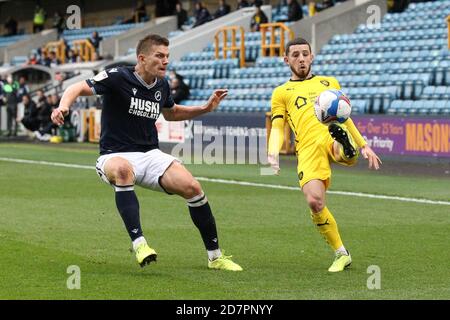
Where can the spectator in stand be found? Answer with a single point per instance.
(59, 23)
(33, 59)
(281, 4)
(2, 82)
(223, 9)
(30, 117)
(10, 27)
(41, 103)
(71, 56)
(10, 89)
(295, 11)
(397, 5)
(182, 16)
(2, 98)
(139, 14)
(179, 89)
(41, 55)
(202, 14)
(59, 79)
(23, 88)
(256, 3)
(40, 98)
(258, 18)
(46, 126)
(39, 19)
(242, 4)
(324, 5)
(95, 40)
(52, 61)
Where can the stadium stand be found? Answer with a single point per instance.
(395, 68)
(104, 32)
(398, 60)
(6, 41)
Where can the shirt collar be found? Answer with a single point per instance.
(148, 86)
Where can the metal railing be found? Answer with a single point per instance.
(84, 49)
(448, 30)
(234, 47)
(58, 47)
(274, 46)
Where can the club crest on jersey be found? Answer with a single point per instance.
(325, 83)
(158, 95)
(144, 108)
(300, 102)
(134, 91)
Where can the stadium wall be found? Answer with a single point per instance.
(340, 19)
(119, 45)
(195, 40)
(24, 47)
(425, 137)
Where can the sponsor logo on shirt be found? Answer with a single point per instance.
(144, 108)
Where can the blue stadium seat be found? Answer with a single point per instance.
(443, 107)
(439, 93)
(427, 93)
(425, 106)
(440, 72)
(395, 106)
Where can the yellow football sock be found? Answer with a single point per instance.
(327, 227)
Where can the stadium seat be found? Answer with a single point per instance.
(425, 106)
(394, 107)
(439, 93)
(428, 92)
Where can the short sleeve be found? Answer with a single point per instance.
(103, 82)
(335, 83)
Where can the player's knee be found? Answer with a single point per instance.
(192, 189)
(315, 203)
(123, 173)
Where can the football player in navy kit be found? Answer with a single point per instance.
(134, 97)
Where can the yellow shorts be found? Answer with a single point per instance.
(314, 161)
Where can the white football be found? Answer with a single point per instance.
(332, 106)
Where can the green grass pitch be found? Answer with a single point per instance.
(54, 217)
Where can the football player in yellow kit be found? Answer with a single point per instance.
(316, 145)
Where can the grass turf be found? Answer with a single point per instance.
(54, 217)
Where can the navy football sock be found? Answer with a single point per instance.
(203, 219)
(128, 206)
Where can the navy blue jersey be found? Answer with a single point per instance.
(130, 109)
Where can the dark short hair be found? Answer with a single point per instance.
(295, 42)
(146, 43)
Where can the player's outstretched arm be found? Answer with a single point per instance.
(180, 112)
(366, 151)
(276, 140)
(69, 96)
(371, 156)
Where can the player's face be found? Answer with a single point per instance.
(156, 61)
(299, 60)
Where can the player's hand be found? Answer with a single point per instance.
(370, 155)
(214, 100)
(58, 115)
(274, 162)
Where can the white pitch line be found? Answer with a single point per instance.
(246, 183)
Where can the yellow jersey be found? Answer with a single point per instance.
(293, 102)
